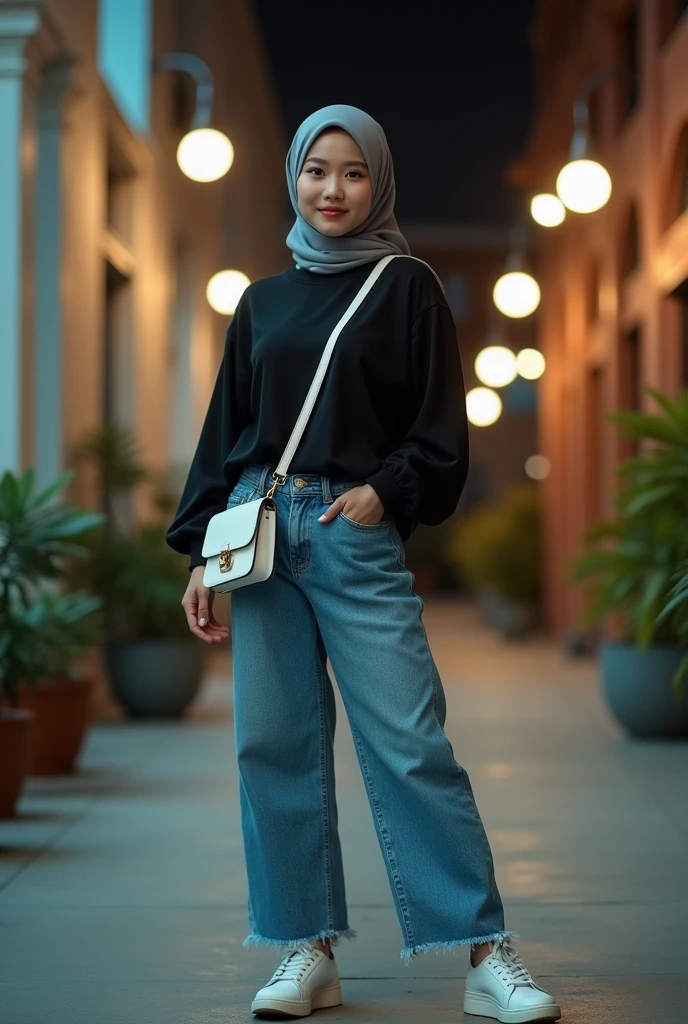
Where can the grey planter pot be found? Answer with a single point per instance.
(510, 618)
(637, 688)
(155, 678)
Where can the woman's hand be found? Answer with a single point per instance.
(198, 606)
(360, 504)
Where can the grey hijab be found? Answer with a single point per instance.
(377, 236)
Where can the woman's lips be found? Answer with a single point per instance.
(333, 213)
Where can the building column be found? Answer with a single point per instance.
(56, 82)
(18, 22)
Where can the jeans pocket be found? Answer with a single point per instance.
(384, 522)
(241, 494)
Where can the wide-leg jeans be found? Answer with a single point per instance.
(341, 589)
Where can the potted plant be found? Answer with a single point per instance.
(629, 570)
(154, 664)
(498, 553)
(15, 723)
(37, 535)
(42, 643)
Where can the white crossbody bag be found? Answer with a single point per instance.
(239, 543)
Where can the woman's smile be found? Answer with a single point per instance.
(335, 172)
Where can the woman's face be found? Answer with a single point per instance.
(335, 176)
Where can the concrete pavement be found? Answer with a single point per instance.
(123, 889)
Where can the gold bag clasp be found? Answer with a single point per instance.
(226, 559)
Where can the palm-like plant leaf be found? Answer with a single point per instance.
(42, 639)
(629, 565)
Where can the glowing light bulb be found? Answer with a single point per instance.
(205, 154)
(530, 363)
(496, 366)
(547, 210)
(516, 294)
(225, 289)
(483, 406)
(584, 186)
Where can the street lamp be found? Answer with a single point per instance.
(530, 363)
(516, 294)
(225, 289)
(495, 366)
(547, 210)
(583, 184)
(483, 407)
(204, 154)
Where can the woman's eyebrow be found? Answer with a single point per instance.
(347, 163)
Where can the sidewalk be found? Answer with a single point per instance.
(123, 891)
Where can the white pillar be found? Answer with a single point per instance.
(18, 21)
(56, 79)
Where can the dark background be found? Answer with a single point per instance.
(448, 80)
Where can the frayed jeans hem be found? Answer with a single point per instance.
(408, 952)
(332, 935)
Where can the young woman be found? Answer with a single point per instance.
(386, 448)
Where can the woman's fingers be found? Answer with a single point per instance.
(201, 622)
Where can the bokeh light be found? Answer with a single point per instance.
(537, 467)
(547, 209)
(530, 363)
(516, 294)
(225, 289)
(205, 154)
(483, 406)
(584, 186)
(496, 366)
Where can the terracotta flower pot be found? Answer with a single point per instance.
(15, 727)
(62, 712)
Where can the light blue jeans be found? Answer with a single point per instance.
(341, 589)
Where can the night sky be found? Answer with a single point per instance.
(450, 84)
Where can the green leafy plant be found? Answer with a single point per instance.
(630, 566)
(677, 608)
(36, 533)
(41, 631)
(141, 582)
(499, 549)
(130, 565)
(41, 641)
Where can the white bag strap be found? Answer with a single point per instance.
(280, 474)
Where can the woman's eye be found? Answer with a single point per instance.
(311, 170)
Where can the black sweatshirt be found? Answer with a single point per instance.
(391, 410)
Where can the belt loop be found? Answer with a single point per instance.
(327, 494)
(263, 479)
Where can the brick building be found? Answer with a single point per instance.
(614, 283)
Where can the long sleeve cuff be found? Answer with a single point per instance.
(388, 491)
(195, 556)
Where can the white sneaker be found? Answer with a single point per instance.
(307, 979)
(502, 987)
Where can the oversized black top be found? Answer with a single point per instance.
(391, 410)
